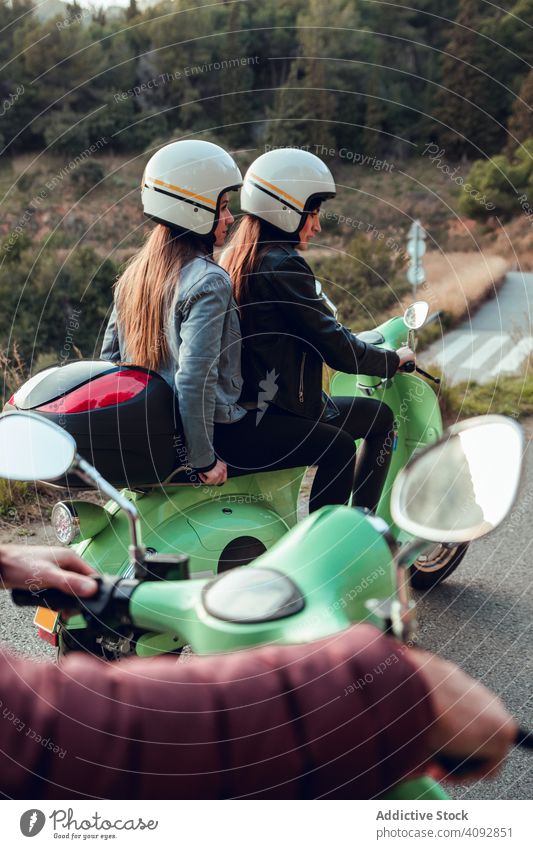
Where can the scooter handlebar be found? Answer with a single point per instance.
(54, 599)
(410, 366)
(110, 600)
(455, 766)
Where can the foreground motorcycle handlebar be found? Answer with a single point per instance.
(111, 603)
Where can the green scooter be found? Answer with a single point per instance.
(337, 567)
(218, 528)
(417, 423)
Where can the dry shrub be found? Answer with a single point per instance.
(19, 501)
(458, 283)
(14, 372)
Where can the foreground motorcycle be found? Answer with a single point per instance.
(124, 421)
(337, 567)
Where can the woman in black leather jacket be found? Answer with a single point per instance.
(289, 332)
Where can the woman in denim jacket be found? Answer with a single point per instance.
(174, 310)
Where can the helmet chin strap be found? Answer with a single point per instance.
(270, 233)
(305, 216)
(207, 241)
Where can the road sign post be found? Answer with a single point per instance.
(416, 248)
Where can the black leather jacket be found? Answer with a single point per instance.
(288, 333)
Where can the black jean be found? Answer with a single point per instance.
(277, 439)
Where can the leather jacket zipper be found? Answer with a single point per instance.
(301, 390)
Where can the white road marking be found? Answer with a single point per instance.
(462, 341)
(514, 359)
(487, 350)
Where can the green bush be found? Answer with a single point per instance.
(52, 304)
(13, 495)
(510, 396)
(499, 185)
(87, 175)
(25, 183)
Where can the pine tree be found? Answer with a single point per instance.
(235, 81)
(470, 128)
(289, 123)
(521, 120)
(306, 107)
(99, 16)
(132, 11)
(74, 11)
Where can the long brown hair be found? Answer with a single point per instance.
(243, 250)
(143, 292)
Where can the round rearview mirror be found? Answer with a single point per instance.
(416, 314)
(32, 448)
(463, 486)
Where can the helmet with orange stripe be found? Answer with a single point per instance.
(183, 183)
(282, 186)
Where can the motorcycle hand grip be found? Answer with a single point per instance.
(427, 375)
(457, 766)
(54, 599)
(523, 738)
(410, 366)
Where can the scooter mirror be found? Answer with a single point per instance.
(416, 314)
(463, 486)
(33, 448)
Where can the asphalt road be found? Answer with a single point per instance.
(481, 618)
(493, 342)
(17, 631)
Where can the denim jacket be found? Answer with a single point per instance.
(204, 367)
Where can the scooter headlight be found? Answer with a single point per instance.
(65, 522)
(252, 595)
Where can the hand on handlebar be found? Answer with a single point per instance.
(406, 355)
(215, 476)
(34, 567)
(470, 720)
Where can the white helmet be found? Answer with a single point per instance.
(183, 182)
(280, 186)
